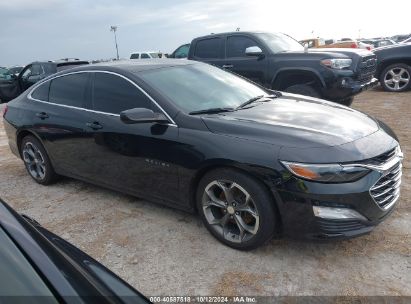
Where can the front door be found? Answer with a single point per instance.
(137, 158)
(251, 67)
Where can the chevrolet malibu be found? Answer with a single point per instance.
(252, 162)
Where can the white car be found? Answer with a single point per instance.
(406, 40)
(145, 55)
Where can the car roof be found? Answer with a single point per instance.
(234, 33)
(134, 66)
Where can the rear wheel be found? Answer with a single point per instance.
(236, 209)
(36, 160)
(396, 78)
(303, 89)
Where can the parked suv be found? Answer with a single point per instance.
(394, 67)
(32, 73)
(279, 62)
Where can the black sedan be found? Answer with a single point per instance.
(37, 266)
(251, 161)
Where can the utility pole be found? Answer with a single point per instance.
(113, 29)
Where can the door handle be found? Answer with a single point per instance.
(42, 115)
(94, 125)
(228, 66)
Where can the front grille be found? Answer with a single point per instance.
(368, 67)
(387, 189)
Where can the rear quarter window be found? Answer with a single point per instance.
(42, 92)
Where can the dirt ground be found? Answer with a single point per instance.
(161, 251)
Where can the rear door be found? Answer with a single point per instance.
(60, 119)
(251, 67)
(210, 50)
(137, 158)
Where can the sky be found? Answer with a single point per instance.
(52, 29)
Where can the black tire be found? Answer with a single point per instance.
(39, 166)
(389, 82)
(263, 218)
(347, 101)
(303, 89)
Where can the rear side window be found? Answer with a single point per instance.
(70, 90)
(135, 56)
(144, 56)
(113, 94)
(42, 92)
(236, 45)
(208, 48)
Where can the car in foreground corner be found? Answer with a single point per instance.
(37, 266)
(251, 161)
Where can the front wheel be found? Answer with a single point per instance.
(396, 78)
(236, 209)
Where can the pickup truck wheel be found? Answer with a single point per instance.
(303, 89)
(396, 78)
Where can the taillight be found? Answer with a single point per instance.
(354, 46)
(368, 48)
(5, 110)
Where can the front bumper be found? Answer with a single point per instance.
(300, 203)
(346, 87)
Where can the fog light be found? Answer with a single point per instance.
(337, 213)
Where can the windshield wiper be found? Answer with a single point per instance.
(211, 111)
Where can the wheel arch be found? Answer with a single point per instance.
(291, 76)
(384, 64)
(23, 133)
(195, 181)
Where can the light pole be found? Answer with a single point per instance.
(113, 28)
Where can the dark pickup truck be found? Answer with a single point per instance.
(277, 61)
(32, 73)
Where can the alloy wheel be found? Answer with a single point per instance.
(230, 211)
(34, 161)
(397, 78)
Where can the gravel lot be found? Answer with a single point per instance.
(161, 251)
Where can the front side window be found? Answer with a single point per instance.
(27, 72)
(182, 51)
(200, 86)
(236, 46)
(113, 94)
(154, 55)
(208, 48)
(70, 90)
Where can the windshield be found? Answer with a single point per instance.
(200, 86)
(279, 42)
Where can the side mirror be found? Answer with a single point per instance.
(253, 51)
(142, 115)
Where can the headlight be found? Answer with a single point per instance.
(338, 64)
(327, 173)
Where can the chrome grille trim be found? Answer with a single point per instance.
(386, 191)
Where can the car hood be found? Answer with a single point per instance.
(294, 121)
